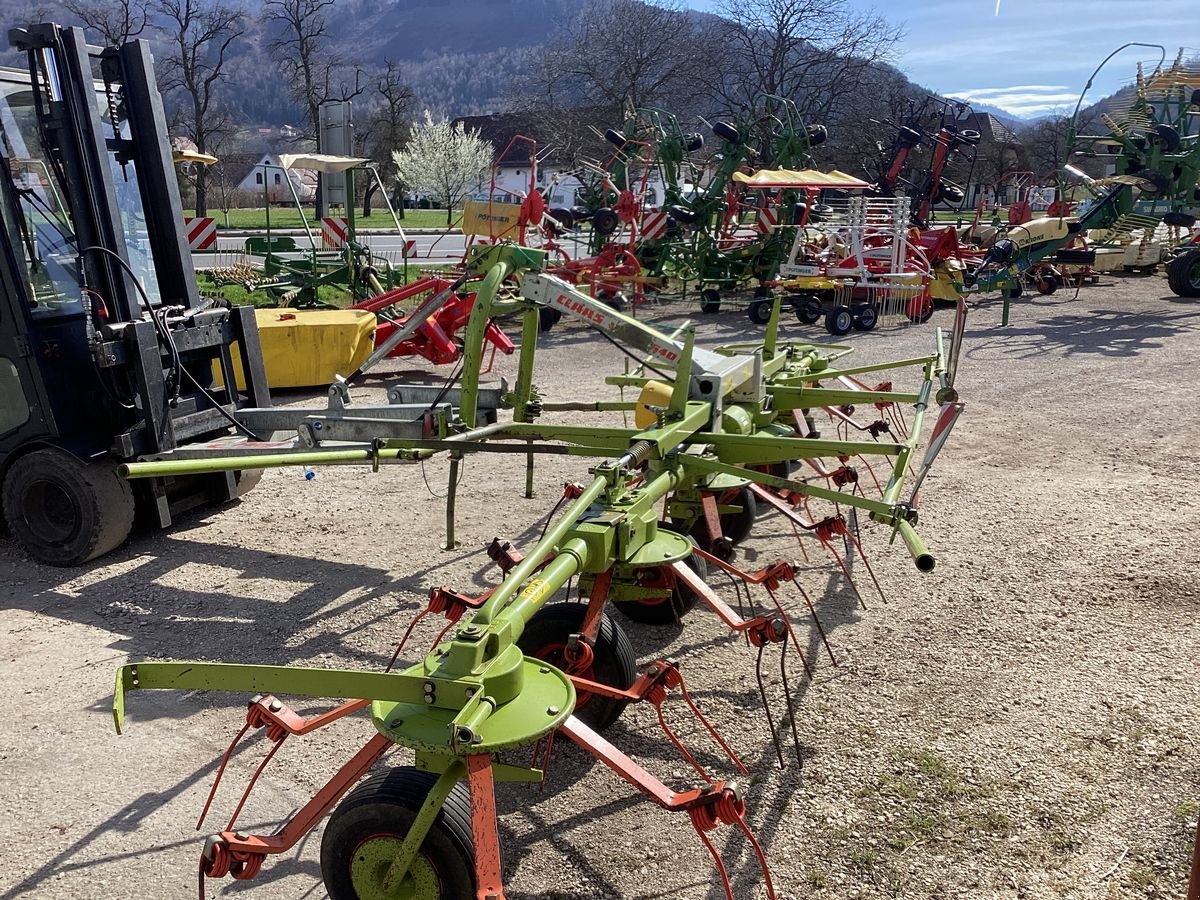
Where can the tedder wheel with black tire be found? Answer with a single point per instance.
(1047, 285)
(808, 310)
(1183, 274)
(839, 320)
(919, 309)
(759, 311)
(670, 608)
(64, 511)
(866, 317)
(367, 829)
(710, 300)
(547, 318)
(613, 661)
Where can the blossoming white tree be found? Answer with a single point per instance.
(443, 161)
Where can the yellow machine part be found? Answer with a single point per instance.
(654, 393)
(309, 347)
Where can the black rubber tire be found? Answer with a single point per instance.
(737, 525)
(809, 310)
(547, 318)
(726, 131)
(1047, 285)
(710, 300)
(613, 659)
(866, 317)
(386, 804)
(1183, 274)
(1012, 293)
(91, 513)
(605, 220)
(759, 311)
(839, 320)
(683, 598)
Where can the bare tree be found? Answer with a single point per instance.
(1046, 143)
(387, 130)
(819, 53)
(200, 33)
(625, 55)
(444, 161)
(300, 49)
(116, 21)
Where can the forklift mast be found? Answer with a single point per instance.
(107, 350)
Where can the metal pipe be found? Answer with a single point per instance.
(487, 613)
(920, 553)
(162, 468)
(472, 358)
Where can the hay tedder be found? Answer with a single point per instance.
(717, 435)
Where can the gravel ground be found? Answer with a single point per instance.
(1013, 725)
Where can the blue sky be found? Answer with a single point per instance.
(1032, 57)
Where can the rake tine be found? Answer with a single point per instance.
(867, 563)
(762, 692)
(816, 620)
(787, 698)
(220, 774)
(674, 739)
(407, 634)
(871, 471)
(254, 780)
(734, 758)
(828, 545)
(787, 622)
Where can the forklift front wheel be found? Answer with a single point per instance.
(64, 511)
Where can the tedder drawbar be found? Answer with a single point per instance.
(715, 434)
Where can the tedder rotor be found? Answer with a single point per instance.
(716, 433)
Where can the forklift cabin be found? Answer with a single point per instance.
(107, 350)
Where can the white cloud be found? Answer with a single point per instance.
(1021, 99)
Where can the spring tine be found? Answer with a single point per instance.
(253, 780)
(673, 738)
(546, 758)
(762, 692)
(407, 633)
(220, 773)
(734, 758)
(758, 852)
(441, 634)
(871, 471)
(787, 623)
(845, 571)
(867, 563)
(712, 851)
(816, 620)
(787, 698)
(799, 540)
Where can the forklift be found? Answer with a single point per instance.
(107, 350)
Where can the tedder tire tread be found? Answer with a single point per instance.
(64, 511)
(613, 660)
(385, 806)
(1183, 274)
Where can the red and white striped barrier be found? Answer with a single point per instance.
(654, 225)
(334, 230)
(201, 232)
(766, 221)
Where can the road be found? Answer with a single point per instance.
(430, 249)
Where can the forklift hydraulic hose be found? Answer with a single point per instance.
(164, 334)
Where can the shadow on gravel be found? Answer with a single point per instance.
(1109, 333)
(181, 598)
(130, 819)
